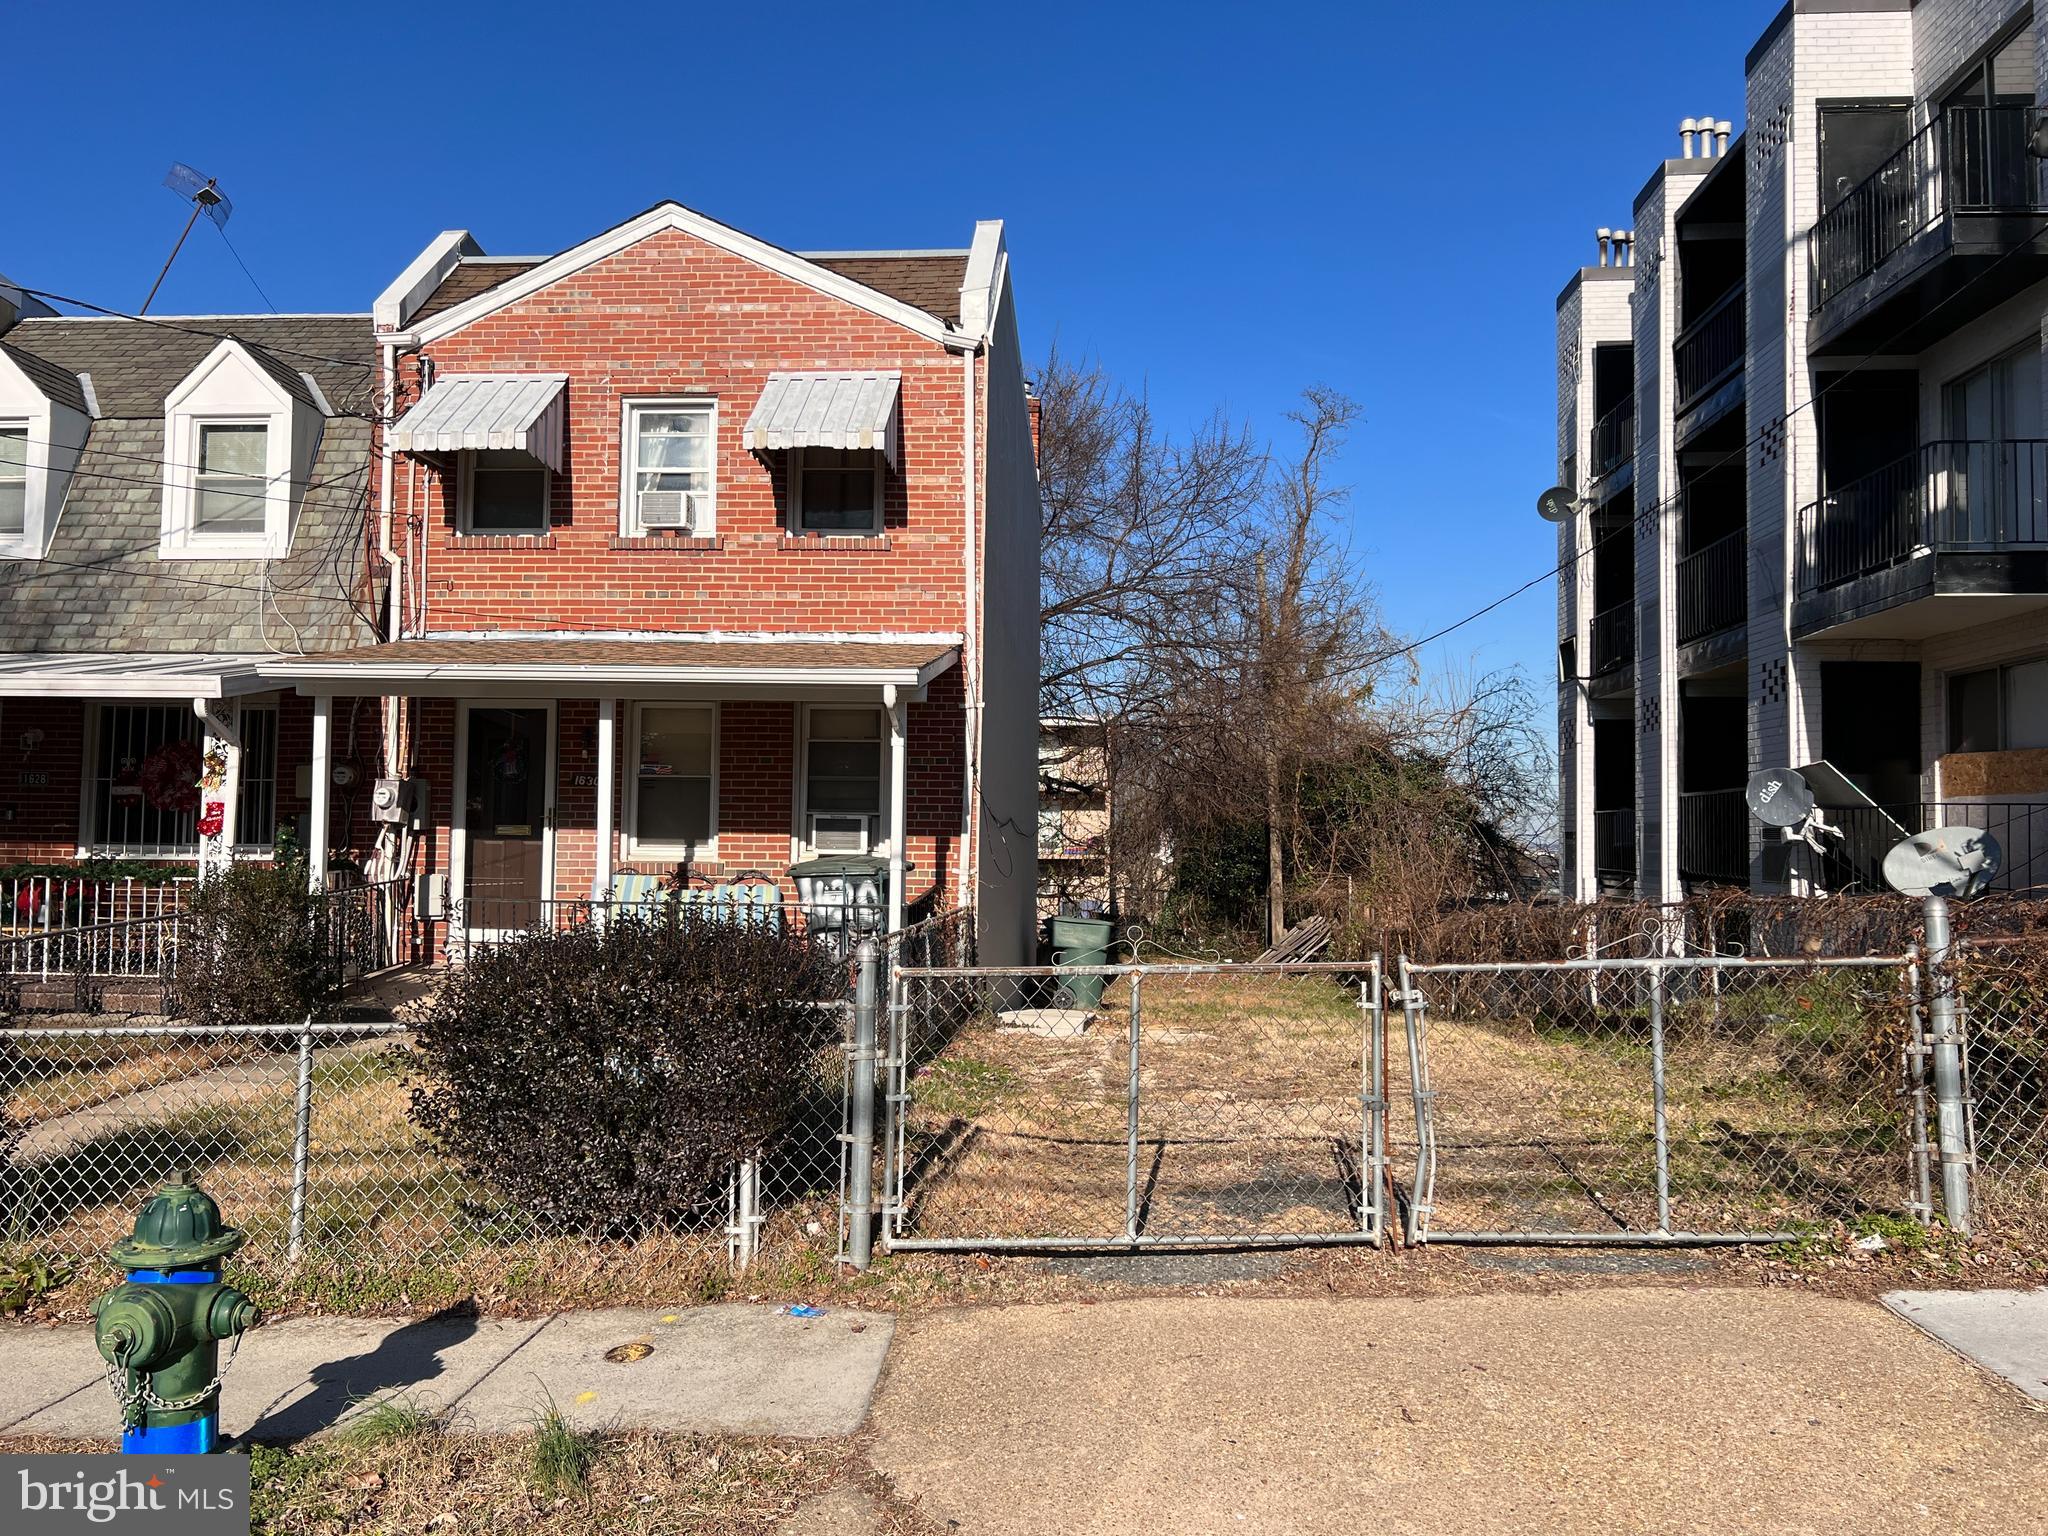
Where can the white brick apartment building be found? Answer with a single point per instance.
(1800, 402)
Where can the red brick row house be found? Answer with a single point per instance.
(682, 555)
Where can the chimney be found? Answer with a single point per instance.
(1686, 130)
(1721, 131)
(1604, 234)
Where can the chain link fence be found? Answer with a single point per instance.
(1123, 1107)
(2002, 988)
(1647, 1100)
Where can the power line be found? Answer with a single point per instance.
(198, 330)
(91, 449)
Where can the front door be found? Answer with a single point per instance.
(505, 818)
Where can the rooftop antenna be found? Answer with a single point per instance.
(205, 196)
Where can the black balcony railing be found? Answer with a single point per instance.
(1856, 859)
(1713, 588)
(1968, 160)
(1947, 496)
(1614, 843)
(1614, 638)
(1713, 836)
(1708, 352)
(1614, 437)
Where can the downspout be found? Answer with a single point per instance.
(970, 647)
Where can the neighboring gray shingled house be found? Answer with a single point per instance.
(102, 586)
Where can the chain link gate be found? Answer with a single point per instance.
(1679, 1100)
(1125, 1107)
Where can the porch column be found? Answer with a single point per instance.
(220, 777)
(607, 770)
(898, 832)
(322, 785)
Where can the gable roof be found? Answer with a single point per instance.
(672, 215)
(57, 384)
(929, 279)
(470, 277)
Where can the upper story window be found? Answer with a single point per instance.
(241, 435)
(503, 491)
(836, 490)
(670, 451)
(230, 482)
(13, 479)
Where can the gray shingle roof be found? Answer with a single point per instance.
(56, 383)
(102, 587)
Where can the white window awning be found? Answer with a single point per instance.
(501, 412)
(128, 674)
(826, 410)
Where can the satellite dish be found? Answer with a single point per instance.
(1557, 504)
(1779, 797)
(1948, 861)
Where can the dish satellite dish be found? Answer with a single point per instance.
(1557, 504)
(1779, 797)
(1948, 861)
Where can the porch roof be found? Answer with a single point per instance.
(128, 674)
(569, 667)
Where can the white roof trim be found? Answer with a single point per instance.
(306, 670)
(514, 412)
(426, 272)
(675, 216)
(827, 410)
(128, 674)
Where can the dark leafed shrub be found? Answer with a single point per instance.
(607, 1079)
(252, 949)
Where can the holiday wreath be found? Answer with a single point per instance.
(170, 777)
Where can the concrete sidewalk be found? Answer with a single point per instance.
(733, 1369)
(1631, 1409)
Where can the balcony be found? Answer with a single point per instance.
(1713, 589)
(1614, 844)
(1900, 553)
(1614, 638)
(1614, 444)
(1855, 861)
(1708, 356)
(1713, 837)
(1947, 223)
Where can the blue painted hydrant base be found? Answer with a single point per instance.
(199, 1438)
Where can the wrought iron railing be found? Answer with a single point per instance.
(1614, 843)
(1713, 835)
(1614, 638)
(1855, 860)
(1614, 437)
(1709, 351)
(1713, 588)
(1963, 494)
(1968, 159)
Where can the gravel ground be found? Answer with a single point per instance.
(1622, 1409)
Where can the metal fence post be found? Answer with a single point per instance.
(1131, 1115)
(1657, 1092)
(860, 1184)
(1944, 1039)
(302, 1142)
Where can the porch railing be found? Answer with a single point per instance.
(1855, 861)
(1614, 638)
(1713, 835)
(1713, 588)
(1614, 843)
(1709, 351)
(82, 899)
(1961, 494)
(1967, 160)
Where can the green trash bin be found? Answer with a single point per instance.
(1082, 941)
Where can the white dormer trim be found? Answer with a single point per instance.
(416, 284)
(231, 387)
(671, 216)
(55, 434)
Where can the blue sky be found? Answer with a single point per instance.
(1223, 203)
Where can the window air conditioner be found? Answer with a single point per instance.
(839, 834)
(668, 509)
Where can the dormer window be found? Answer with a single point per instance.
(241, 436)
(233, 461)
(13, 479)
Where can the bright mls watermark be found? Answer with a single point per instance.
(163, 1495)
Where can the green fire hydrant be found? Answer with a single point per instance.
(161, 1329)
